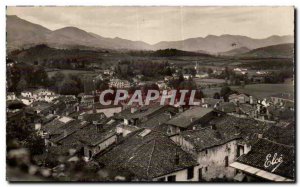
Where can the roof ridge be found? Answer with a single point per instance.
(151, 154)
(276, 143)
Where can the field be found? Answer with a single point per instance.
(257, 90)
(67, 72)
(265, 90)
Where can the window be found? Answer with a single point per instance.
(240, 150)
(226, 161)
(190, 173)
(206, 152)
(206, 169)
(172, 178)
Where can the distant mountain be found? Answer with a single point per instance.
(274, 51)
(21, 33)
(235, 52)
(218, 44)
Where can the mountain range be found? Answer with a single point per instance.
(23, 34)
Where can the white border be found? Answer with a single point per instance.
(4, 3)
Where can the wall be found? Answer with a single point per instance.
(100, 147)
(212, 161)
(180, 175)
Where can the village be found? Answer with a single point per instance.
(230, 136)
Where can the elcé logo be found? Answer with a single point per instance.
(271, 161)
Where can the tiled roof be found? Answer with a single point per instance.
(185, 119)
(145, 111)
(148, 156)
(90, 135)
(227, 107)
(281, 135)
(247, 128)
(265, 150)
(207, 137)
(156, 121)
(94, 117)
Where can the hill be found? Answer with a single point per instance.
(274, 51)
(235, 52)
(24, 34)
(176, 52)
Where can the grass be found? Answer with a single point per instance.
(257, 90)
(265, 90)
(67, 72)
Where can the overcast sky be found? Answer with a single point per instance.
(154, 24)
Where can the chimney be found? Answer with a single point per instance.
(251, 99)
(192, 119)
(99, 127)
(176, 158)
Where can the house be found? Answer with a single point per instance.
(214, 150)
(107, 110)
(88, 99)
(267, 161)
(227, 107)
(187, 76)
(29, 96)
(168, 78)
(188, 118)
(136, 116)
(210, 102)
(241, 98)
(283, 99)
(118, 83)
(241, 71)
(247, 128)
(10, 96)
(161, 85)
(150, 155)
(93, 118)
(42, 107)
(201, 75)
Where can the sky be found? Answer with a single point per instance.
(155, 24)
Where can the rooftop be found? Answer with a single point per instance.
(265, 150)
(185, 118)
(147, 156)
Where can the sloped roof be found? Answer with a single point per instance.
(156, 121)
(185, 118)
(247, 128)
(281, 135)
(207, 137)
(146, 157)
(226, 107)
(262, 148)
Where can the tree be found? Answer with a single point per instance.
(225, 90)
(22, 85)
(216, 95)
(69, 87)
